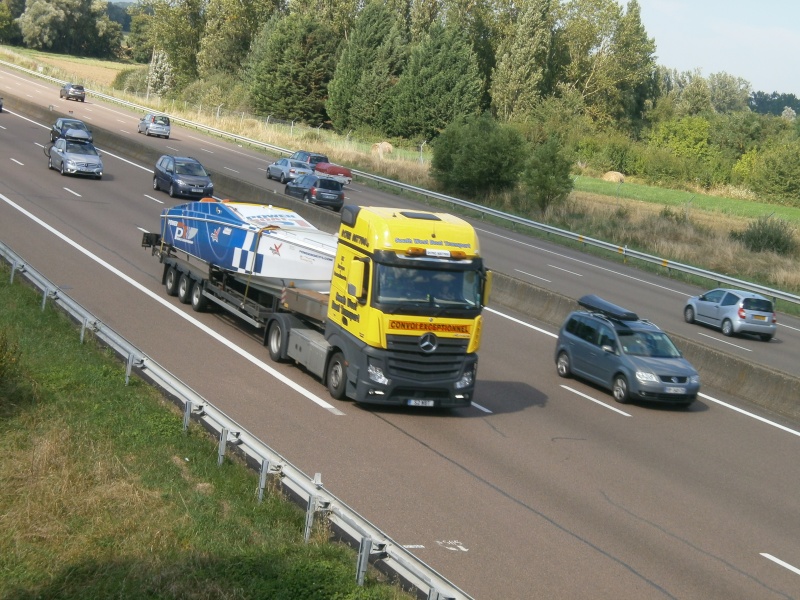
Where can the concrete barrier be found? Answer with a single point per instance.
(770, 389)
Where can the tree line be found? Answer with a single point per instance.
(508, 79)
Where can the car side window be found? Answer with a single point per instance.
(572, 326)
(588, 331)
(714, 296)
(606, 337)
(730, 299)
(60, 143)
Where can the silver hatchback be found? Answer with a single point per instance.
(733, 311)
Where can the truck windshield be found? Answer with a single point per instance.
(404, 287)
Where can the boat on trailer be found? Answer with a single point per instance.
(264, 246)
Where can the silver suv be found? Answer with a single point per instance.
(613, 348)
(733, 311)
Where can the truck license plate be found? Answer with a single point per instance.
(676, 390)
(414, 402)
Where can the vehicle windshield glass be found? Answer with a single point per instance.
(81, 148)
(647, 343)
(190, 168)
(757, 304)
(73, 125)
(415, 286)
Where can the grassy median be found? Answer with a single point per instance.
(102, 495)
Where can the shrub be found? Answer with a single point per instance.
(767, 234)
(546, 177)
(131, 80)
(477, 155)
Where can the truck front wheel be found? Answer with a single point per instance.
(337, 376)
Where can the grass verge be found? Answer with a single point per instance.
(102, 494)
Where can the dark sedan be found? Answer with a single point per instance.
(182, 176)
(65, 124)
(314, 189)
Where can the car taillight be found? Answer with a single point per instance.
(742, 313)
(313, 191)
(292, 171)
(774, 318)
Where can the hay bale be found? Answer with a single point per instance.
(614, 176)
(382, 148)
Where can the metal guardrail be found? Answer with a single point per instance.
(318, 501)
(719, 278)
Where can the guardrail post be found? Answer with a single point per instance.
(435, 594)
(14, 266)
(223, 442)
(129, 368)
(44, 297)
(187, 415)
(364, 550)
(262, 478)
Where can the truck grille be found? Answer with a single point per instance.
(410, 362)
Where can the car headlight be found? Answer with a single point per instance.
(375, 374)
(647, 376)
(694, 379)
(70, 163)
(467, 379)
(180, 182)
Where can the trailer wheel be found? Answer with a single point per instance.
(171, 281)
(275, 341)
(185, 285)
(337, 376)
(199, 301)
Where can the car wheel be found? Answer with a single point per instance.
(155, 183)
(275, 341)
(562, 365)
(185, 285)
(50, 163)
(83, 99)
(268, 174)
(688, 314)
(337, 376)
(286, 191)
(283, 177)
(620, 389)
(61, 170)
(765, 337)
(727, 328)
(171, 281)
(171, 191)
(146, 132)
(199, 301)
(98, 176)
(307, 198)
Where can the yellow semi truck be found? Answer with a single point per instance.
(400, 323)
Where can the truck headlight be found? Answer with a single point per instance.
(467, 379)
(376, 374)
(646, 376)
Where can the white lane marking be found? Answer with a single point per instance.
(711, 337)
(122, 121)
(583, 262)
(749, 414)
(173, 148)
(544, 331)
(565, 270)
(261, 169)
(73, 192)
(532, 275)
(16, 161)
(483, 408)
(706, 396)
(781, 563)
(221, 339)
(154, 199)
(588, 397)
(208, 151)
(788, 326)
(229, 169)
(1, 127)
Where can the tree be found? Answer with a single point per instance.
(476, 155)
(9, 31)
(176, 29)
(518, 79)
(604, 54)
(78, 27)
(229, 29)
(546, 178)
(370, 65)
(139, 41)
(695, 96)
(773, 103)
(291, 81)
(440, 84)
(728, 93)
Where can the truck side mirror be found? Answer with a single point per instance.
(487, 288)
(355, 279)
